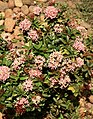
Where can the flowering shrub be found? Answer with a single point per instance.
(46, 73)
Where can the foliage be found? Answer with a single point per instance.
(60, 98)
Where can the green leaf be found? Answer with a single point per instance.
(37, 47)
(6, 62)
(68, 30)
(1, 27)
(14, 77)
(10, 98)
(23, 78)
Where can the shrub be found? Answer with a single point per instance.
(47, 74)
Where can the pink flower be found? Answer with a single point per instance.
(25, 24)
(58, 28)
(51, 12)
(63, 72)
(82, 30)
(33, 35)
(55, 59)
(34, 73)
(78, 45)
(17, 62)
(67, 66)
(80, 62)
(27, 85)
(53, 81)
(70, 65)
(79, 39)
(73, 23)
(4, 73)
(20, 105)
(39, 61)
(64, 82)
(37, 10)
(36, 100)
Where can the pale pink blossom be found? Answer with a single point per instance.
(64, 82)
(53, 81)
(80, 62)
(20, 105)
(36, 99)
(67, 66)
(58, 28)
(17, 62)
(25, 25)
(79, 46)
(82, 30)
(79, 39)
(33, 35)
(55, 59)
(35, 73)
(39, 61)
(37, 10)
(73, 23)
(28, 85)
(63, 72)
(51, 12)
(4, 73)
(71, 67)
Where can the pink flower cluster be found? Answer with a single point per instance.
(79, 39)
(20, 105)
(17, 62)
(53, 81)
(4, 73)
(73, 23)
(58, 28)
(33, 35)
(68, 66)
(36, 99)
(37, 10)
(55, 59)
(80, 62)
(27, 85)
(35, 73)
(64, 82)
(82, 30)
(25, 25)
(39, 61)
(51, 12)
(79, 46)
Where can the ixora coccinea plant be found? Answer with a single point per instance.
(45, 75)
